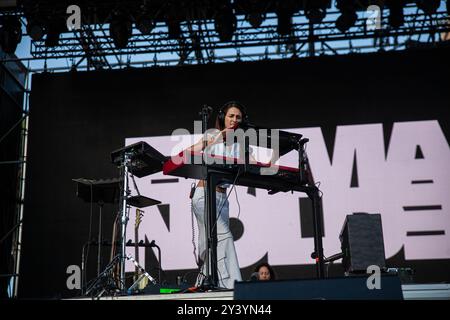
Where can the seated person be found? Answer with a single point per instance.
(264, 272)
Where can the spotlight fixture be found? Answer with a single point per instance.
(10, 33)
(54, 30)
(256, 19)
(225, 23)
(284, 26)
(396, 15)
(315, 15)
(255, 11)
(346, 20)
(120, 30)
(428, 6)
(174, 29)
(348, 16)
(145, 24)
(35, 30)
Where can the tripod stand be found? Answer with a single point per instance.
(105, 281)
(102, 191)
(108, 272)
(143, 274)
(130, 159)
(138, 159)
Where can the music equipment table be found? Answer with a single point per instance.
(217, 170)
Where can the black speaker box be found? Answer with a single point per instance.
(362, 242)
(345, 288)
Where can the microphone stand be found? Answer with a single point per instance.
(205, 113)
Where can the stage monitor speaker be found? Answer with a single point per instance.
(345, 288)
(362, 242)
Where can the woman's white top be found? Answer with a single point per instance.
(223, 150)
(220, 149)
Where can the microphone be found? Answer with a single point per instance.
(206, 110)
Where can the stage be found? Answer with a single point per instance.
(232, 139)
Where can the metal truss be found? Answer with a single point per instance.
(93, 51)
(199, 42)
(16, 231)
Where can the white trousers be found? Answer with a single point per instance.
(227, 262)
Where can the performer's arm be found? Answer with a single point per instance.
(211, 139)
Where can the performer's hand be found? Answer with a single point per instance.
(216, 138)
(225, 131)
(221, 135)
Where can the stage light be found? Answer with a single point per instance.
(428, 6)
(396, 15)
(225, 23)
(35, 30)
(348, 16)
(120, 30)
(255, 12)
(346, 20)
(284, 26)
(315, 15)
(256, 19)
(145, 25)
(10, 33)
(174, 29)
(145, 22)
(54, 30)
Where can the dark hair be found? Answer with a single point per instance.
(265, 264)
(220, 119)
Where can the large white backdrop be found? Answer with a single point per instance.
(272, 222)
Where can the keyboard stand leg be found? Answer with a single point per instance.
(211, 277)
(313, 194)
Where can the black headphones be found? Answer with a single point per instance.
(222, 112)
